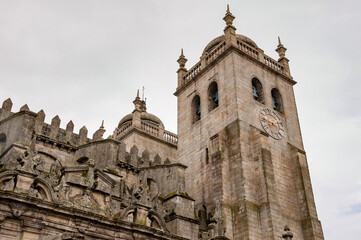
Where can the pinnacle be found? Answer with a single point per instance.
(228, 18)
(25, 107)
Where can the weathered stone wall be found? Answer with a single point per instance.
(152, 144)
(253, 175)
(55, 186)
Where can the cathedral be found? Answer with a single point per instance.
(235, 170)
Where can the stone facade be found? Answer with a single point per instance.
(236, 170)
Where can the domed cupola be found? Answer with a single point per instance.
(139, 119)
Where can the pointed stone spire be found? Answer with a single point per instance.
(182, 60)
(230, 30)
(182, 69)
(41, 116)
(281, 50)
(228, 18)
(137, 103)
(25, 108)
(7, 105)
(55, 122)
(288, 235)
(70, 126)
(98, 135)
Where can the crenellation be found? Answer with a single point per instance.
(83, 132)
(236, 170)
(157, 160)
(40, 116)
(7, 105)
(25, 108)
(55, 122)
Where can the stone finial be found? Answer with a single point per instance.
(182, 71)
(55, 122)
(288, 235)
(70, 126)
(137, 103)
(228, 18)
(7, 105)
(99, 133)
(25, 108)
(182, 60)
(41, 116)
(83, 133)
(281, 49)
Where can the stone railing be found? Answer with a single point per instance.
(216, 52)
(220, 48)
(272, 63)
(125, 128)
(149, 128)
(170, 137)
(192, 72)
(244, 47)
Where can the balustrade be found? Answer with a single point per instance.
(149, 128)
(244, 47)
(220, 48)
(192, 72)
(170, 137)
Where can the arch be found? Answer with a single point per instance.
(8, 180)
(157, 220)
(277, 103)
(44, 189)
(196, 109)
(257, 90)
(128, 211)
(213, 98)
(2, 142)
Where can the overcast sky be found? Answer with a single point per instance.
(84, 61)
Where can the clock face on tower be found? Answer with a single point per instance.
(272, 123)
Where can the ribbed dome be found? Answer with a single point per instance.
(219, 39)
(144, 116)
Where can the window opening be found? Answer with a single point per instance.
(257, 90)
(255, 95)
(213, 97)
(196, 109)
(207, 156)
(276, 100)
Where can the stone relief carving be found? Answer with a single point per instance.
(18, 209)
(9, 184)
(86, 200)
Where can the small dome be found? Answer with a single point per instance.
(144, 116)
(219, 39)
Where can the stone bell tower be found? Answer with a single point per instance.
(240, 137)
